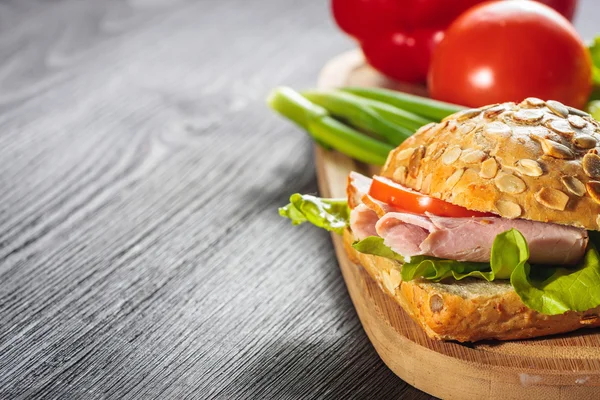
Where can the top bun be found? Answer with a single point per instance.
(536, 160)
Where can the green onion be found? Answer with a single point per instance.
(402, 117)
(391, 123)
(593, 108)
(326, 129)
(433, 109)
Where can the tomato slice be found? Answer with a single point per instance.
(406, 199)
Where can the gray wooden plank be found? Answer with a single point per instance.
(141, 251)
(141, 254)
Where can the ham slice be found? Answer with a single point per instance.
(363, 221)
(465, 239)
(357, 187)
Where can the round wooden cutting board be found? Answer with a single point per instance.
(558, 367)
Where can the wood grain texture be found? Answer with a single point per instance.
(141, 255)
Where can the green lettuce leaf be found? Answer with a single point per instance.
(436, 269)
(500, 266)
(594, 49)
(508, 251)
(549, 290)
(330, 214)
(374, 245)
(559, 290)
(593, 108)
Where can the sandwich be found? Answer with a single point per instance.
(482, 226)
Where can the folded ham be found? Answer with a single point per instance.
(462, 239)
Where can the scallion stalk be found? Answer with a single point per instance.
(327, 130)
(428, 108)
(374, 117)
(402, 117)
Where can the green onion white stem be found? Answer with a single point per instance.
(326, 129)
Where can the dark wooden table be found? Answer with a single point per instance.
(141, 254)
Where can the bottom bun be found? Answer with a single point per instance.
(467, 310)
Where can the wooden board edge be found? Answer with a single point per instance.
(336, 71)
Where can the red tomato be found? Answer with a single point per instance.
(392, 193)
(402, 56)
(507, 51)
(565, 7)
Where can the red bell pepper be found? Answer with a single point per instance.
(397, 36)
(565, 7)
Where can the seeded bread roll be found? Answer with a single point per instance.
(536, 160)
(467, 310)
